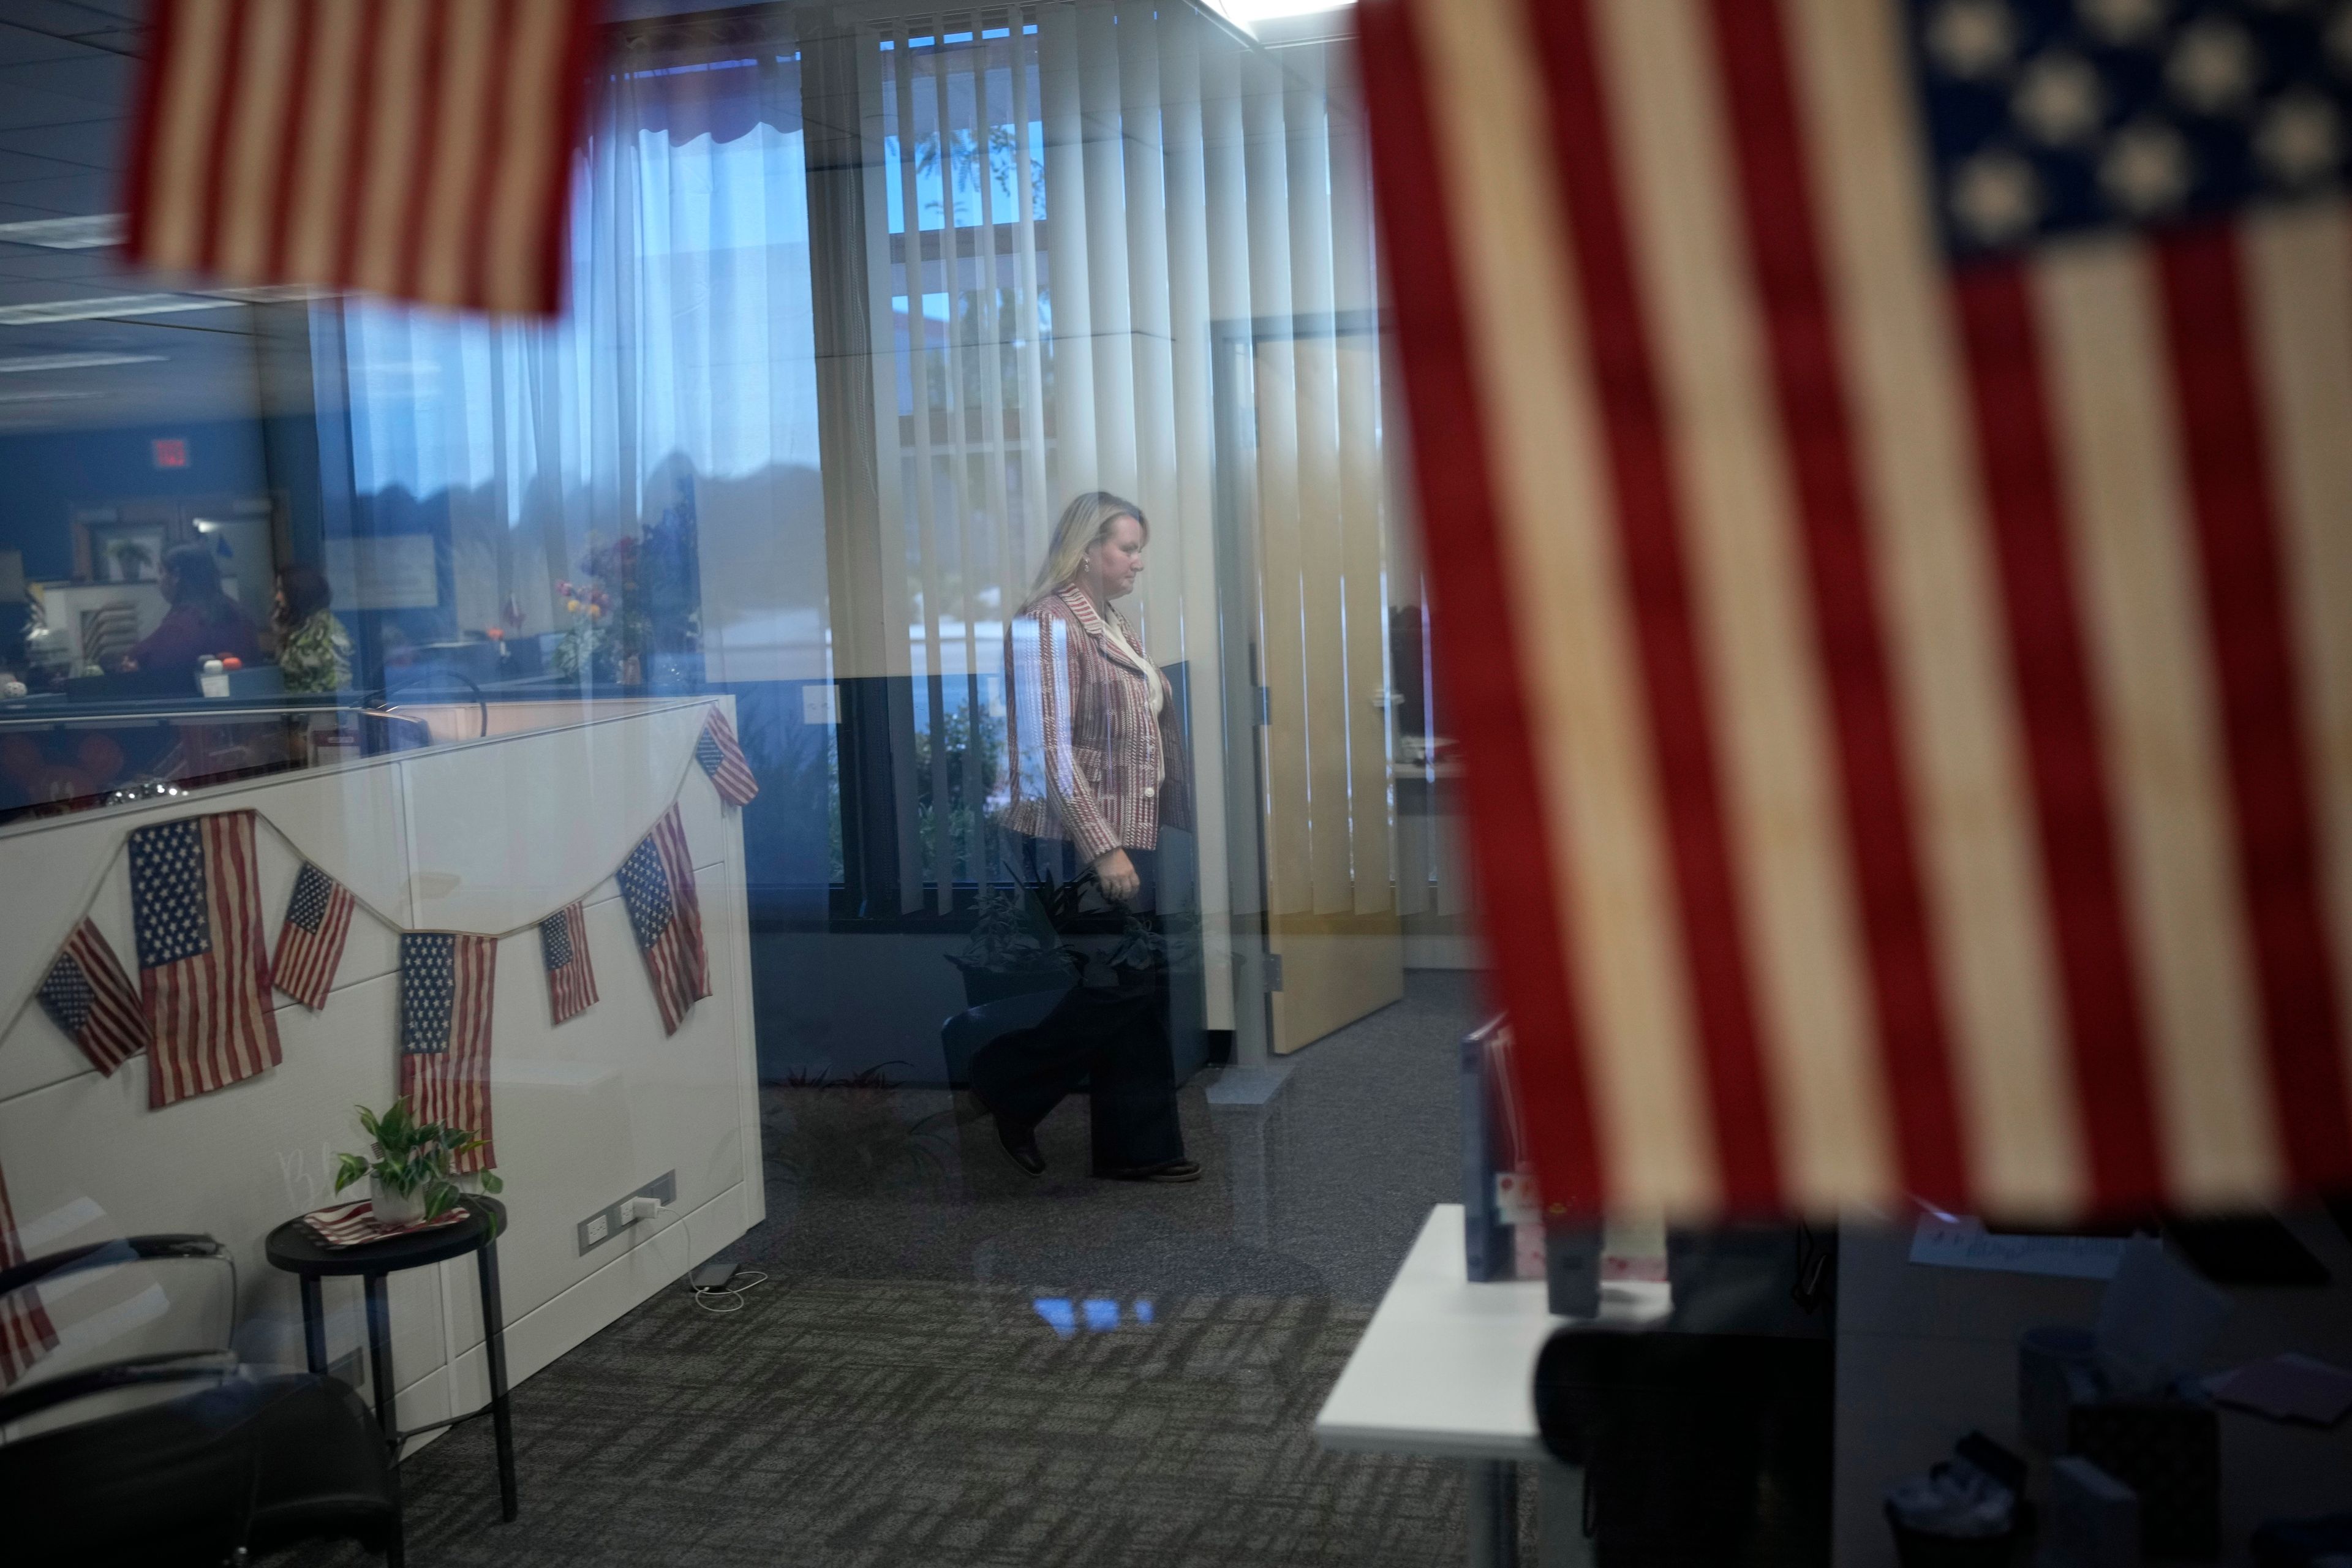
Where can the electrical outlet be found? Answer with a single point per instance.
(605, 1223)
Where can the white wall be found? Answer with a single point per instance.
(480, 836)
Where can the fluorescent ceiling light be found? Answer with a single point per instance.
(72, 361)
(107, 307)
(49, 396)
(95, 232)
(1248, 11)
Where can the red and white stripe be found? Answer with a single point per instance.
(210, 1015)
(115, 1030)
(733, 776)
(571, 987)
(306, 960)
(1908, 711)
(419, 148)
(453, 1086)
(677, 962)
(25, 1332)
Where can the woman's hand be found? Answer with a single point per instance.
(1118, 875)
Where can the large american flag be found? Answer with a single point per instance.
(657, 886)
(25, 1332)
(420, 149)
(203, 964)
(447, 988)
(87, 994)
(723, 759)
(1887, 470)
(311, 942)
(563, 953)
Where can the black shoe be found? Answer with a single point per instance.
(1021, 1146)
(1167, 1170)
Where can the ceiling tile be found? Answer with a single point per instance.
(88, 143)
(103, 81)
(72, 196)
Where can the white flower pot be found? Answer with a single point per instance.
(394, 1208)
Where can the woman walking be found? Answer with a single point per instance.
(1097, 769)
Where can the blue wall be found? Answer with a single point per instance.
(45, 478)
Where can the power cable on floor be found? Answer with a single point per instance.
(739, 1285)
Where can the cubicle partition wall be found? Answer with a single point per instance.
(481, 836)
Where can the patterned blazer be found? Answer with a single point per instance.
(1088, 762)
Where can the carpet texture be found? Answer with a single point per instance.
(854, 1423)
(953, 1365)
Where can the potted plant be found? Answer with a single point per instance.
(1015, 948)
(409, 1178)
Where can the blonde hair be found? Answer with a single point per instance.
(1086, 518)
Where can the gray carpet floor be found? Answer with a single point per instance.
(952, 1364)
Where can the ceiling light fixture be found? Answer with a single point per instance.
(107, 307)
(23, 362)
(99, 231)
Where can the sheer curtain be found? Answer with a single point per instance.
(677, 389)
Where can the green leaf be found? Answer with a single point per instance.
(491, 1182)
(349, 1168)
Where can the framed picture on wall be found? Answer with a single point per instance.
(125, 552)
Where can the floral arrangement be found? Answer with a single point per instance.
(638, 597)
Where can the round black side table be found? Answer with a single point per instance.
(292, 1248)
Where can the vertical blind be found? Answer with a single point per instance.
(1073, 208)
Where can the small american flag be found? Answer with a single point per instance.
(311, 942)
(355, 1225)
(1888, 469)
(563, 948)
(446, 980)
(723, 759)
(25, 1332)
(88, 996)
(419, 149)
(204, 963)
(657, 885)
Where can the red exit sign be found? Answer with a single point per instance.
(171, 451)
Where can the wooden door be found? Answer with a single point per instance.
(1311, 500)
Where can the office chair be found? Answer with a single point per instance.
(248, 1464)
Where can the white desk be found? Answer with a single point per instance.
(1447, 1370)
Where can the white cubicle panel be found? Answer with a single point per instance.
(480, 837)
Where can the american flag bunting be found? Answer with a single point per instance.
(564, 951)
(1887, 476)
(203, 964)
(657, 886)
(311, 942)
(447, 982)
(25, 1332)
(420, 151)
(723, 759)
(87, 994)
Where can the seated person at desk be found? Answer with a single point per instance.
(203, 623)
(314, 652)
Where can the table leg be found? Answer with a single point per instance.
(494, 1346)
(1493, 1497)
(314, 1326)
(379, 1327)
(1559, 1516)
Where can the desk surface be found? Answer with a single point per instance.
(1447, 1367)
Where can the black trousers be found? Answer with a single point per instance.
(1109, 1032)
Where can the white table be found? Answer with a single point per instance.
(1447, 1370)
